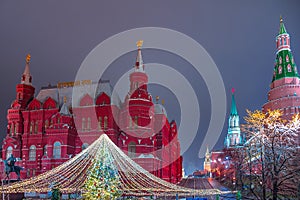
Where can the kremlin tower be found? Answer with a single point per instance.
(233, 137)
(285, 86)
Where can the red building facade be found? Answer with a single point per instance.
(44, 131)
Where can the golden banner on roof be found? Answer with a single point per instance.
(73, 83)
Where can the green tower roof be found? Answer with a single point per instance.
(282, 29)
(285, 67)
(233, 110)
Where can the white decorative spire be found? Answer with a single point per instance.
(26, 77)
(139, 65)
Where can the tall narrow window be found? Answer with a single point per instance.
(31, 127)
(11, 129)
(15, 128)
(45, 151)
(83, 124)
(32, 153)
(100, 123)
(280, 60)
(57, 150)
(58, 120)
(130, 122)
(287, 58)
(289, 68)
(105, 122)
(135, 121)
(46, 124)
(131, 149)
(88, 123)
(36, 127)
(9, 151)
(279, 70)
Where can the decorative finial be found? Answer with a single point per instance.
(281, 20)
(139, 43)
(232, 90)
(28, 57)
(65, 99)
(157, 99)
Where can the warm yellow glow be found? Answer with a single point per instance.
(139, 43)
(28, 57)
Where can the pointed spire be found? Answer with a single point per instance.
(207, 151)
(64, 110)
(233, 110)
(139, 65)
(282, 29)
(26, 77)
(285, 66)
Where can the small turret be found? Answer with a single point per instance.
(139, 65)
(26, 77)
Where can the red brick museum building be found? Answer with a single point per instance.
(41, 129)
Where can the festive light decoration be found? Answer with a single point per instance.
(103, 181)
(100, 164)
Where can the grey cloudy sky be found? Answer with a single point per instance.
(238, 35)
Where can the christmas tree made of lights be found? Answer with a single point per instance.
(103, 181)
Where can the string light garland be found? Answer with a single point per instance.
(75, 175)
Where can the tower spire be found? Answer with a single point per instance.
(234, 137)
(139, 65)
(282, 29)
(233, 110)
(26, 77)
(284, 63)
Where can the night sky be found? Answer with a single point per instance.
(238, 35)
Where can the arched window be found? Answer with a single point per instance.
(131, 149)
(83, 124)
(32, 152)
(100, 123)
(84, 146)
(31, 127)
(58, 120)
(36, 127)
(279, 70)
(287, 58)
(45, 151)
(88, 123)
(9, 151)
(105, 122)
(289, 68)
(280, 60)
(56, 150)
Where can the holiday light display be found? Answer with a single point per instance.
(125, 176)
(103, 180)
